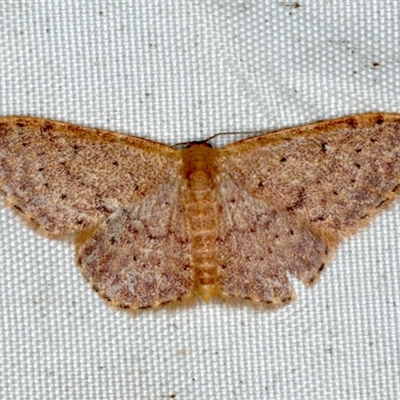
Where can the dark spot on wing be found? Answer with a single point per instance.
(48, 127)
(18, 208)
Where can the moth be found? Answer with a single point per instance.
(153, 224)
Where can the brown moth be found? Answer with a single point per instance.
(153, 224)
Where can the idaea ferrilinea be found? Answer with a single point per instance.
(153, 224)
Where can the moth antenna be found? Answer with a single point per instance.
(245, 133)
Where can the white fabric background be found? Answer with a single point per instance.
(175, 70)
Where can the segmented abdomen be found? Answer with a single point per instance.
(201, 212)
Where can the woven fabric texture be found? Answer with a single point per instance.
(173, 71)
